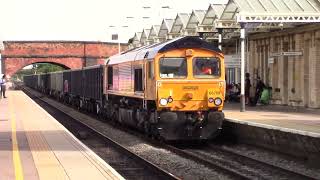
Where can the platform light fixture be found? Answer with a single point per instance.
(1, 49)
(116, 36)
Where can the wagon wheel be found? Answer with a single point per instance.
(115, 118)
(147, 130)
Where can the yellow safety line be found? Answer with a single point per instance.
(15, 149)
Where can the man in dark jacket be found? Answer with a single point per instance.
(259, 88)
(247, 86)
(3, 86)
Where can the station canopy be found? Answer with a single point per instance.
(154, 32)
(144, 36)
(196, 17)
(165, 27)
(180, 23)
(136, 38)
(213, 13)
(269, 13)
(254, 15)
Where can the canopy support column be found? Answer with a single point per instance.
(242, 94)
(1, 64)
(220, 39)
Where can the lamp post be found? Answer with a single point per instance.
(118, 36)
(1, 49)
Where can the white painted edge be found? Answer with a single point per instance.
(114, 172)
(267, 126)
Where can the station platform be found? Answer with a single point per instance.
(288, 130)
(289, 119)
(33, 145)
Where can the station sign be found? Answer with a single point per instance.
(270, 60)
(232, 61)
(275, 54)
(292, 53)
(114, 36)
(288, 53)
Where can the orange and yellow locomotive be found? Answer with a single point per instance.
(174, 90)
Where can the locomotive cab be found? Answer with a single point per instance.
(190, 89)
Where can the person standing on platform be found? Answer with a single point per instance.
(259, 88)
(3, 86)
(247, 86)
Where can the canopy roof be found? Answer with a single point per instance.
(256, 15)
(137, 37)
(150, 51)
(145, 35)
(196, 17)
(278, 10)
(154, 32)
(180, 22)
(270, 11)
(165, 27)
(214, 12)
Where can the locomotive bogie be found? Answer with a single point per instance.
(201, 125)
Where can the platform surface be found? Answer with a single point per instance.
(33, 145)
(296, 120)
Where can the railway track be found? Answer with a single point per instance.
(238, 165)
(233, 165)
(208, 162)
(127, 163)
(259, 163)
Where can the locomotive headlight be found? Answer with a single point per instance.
(211, 100)
(170, 100)
(163, 102)
(218, 101)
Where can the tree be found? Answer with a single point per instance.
(47, 68)
(38, 68)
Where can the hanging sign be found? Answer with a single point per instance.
(270, 60)
(288, 53)
(292, 53)
(232, 61)
(275, 54)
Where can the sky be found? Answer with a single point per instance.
(86, 20)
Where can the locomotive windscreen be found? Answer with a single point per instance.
(173, 67)
(206, 67)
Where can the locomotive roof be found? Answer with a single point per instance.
(150, 51)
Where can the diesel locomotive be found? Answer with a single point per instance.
(172, 90)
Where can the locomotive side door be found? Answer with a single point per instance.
(138, 79)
